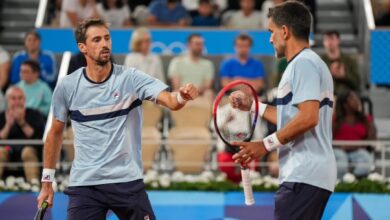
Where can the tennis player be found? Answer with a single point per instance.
(303, 116)
(103, 100)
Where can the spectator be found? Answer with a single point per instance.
(4, 68)
(115, 13)
(74, 11)
(19, 122)
(246, 18)
(32, 51)
(141, 58)
(38, 93)
(192, 68)
(205, 15)
(168, 13)
(343, 67)
(243, 66)
(351, 124)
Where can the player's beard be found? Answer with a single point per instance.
(280, 51)
(101, 60)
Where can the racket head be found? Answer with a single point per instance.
(248, 134)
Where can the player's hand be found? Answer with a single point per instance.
(249, 151)
(240, 100)
(46, 193)
(189, 92)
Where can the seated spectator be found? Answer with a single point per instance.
(38, 93)
(205, 15)
(246, 18)
(19, 122)
(192, 68)
(4, 68)
(115, 13)
(168, 13)
(141, 57)
(74, 11)
(351, 124)
(32, 51)
(343, 67)
(243, 66)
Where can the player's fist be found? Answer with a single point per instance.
(240, 100)
(46, 194)
(188, 92)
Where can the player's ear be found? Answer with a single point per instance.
(82, 47)
(285, 32)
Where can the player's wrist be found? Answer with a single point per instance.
(271, 142)
(48, 175)
(180, 99)
(262, 108)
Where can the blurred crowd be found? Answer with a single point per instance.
(28, 77)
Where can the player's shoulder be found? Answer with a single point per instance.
(307, 58)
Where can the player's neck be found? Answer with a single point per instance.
(98, 73)
(295, 48)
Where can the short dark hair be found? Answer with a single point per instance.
(244, 37)
(295, 15)
(189, 38)
(34, 33)
(332, 32)
(34, 65)
(81, 31)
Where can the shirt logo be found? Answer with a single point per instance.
(116, 94)
(146, 217)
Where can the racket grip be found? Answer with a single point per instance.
(247, 185)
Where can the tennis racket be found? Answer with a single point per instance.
(41, 211)
(236, 125)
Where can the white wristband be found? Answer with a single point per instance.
(271, 142)
(262, 108)
(180, 99)
(48, 175)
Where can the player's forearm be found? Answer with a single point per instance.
(170, 100)
(300, 124)
(270, 114)
(51, 150)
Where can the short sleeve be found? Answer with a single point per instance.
(210, 70)
(59, 103)
(306, 82)
(147, 87)
(173, 68)
(224, 70)
(260, 70)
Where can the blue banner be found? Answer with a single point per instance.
(208, 205)
(173, 41)
(380, 57)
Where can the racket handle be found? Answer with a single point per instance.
(247, 185)
(41, 211)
